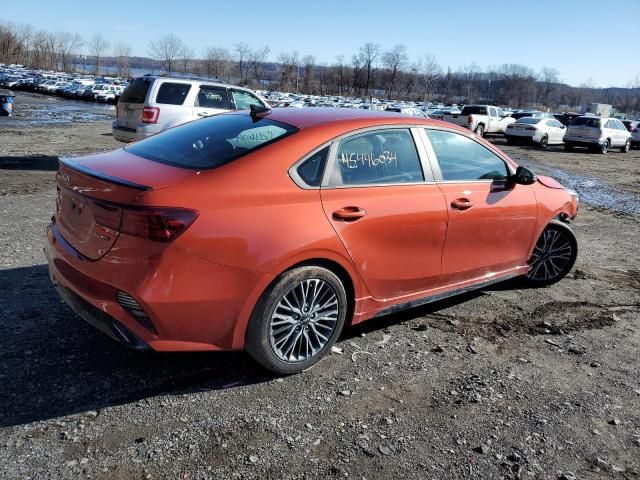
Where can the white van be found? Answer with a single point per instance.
(151, 104)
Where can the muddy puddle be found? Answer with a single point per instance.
(39, 111)
(591, 190)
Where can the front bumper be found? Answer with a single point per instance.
(192, 304)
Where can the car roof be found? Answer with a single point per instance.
(309, 117)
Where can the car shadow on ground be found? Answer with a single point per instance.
(53, 364)
(30, 162)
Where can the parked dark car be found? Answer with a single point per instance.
(566, 118)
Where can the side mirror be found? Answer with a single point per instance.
(523, 176)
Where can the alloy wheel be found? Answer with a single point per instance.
(304, 320)
(552, 256)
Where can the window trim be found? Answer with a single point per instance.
(333, 144)
(433, 158)
(332, 159)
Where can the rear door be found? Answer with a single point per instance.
(387, 211)
(132, 102)
(211, 100)
(491, 221)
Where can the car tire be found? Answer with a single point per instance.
(479, 130)
(544, 142)
(553, 256)
(626, 147)
(568, 147)
(603, 148)
(280, 316)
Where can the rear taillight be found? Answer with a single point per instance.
(530, 128)
(162, 224)
(150, 114)
(469, 119)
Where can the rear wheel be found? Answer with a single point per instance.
(626, 147)
(553, 256)
(568, 147)
(544, 142)
(297, 320)
(604, 147)
(479, 130)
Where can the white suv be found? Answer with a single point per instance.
(598, 134)
(151, 104)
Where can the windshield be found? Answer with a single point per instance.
(529, 120)
(586, 122)
(211, 142)
(474, 110)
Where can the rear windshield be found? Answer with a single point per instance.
(586, 122)
(136, 92)
(529, 120)
(210, 142)
(474, 110)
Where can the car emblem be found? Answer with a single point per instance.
(66, 179)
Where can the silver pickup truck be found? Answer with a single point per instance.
(480, 119)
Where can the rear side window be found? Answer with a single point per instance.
(213, 97)
(381, 157)
(210, 142)
(172, 93)
(136, 92)
(463, 159)
(312, 169)
(244, 100)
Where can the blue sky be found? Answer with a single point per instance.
(586, 40)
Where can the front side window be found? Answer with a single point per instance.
(172, 93)
(462, 159)
(213, 97)
(244, 100)
(377, 158)
(210, 142)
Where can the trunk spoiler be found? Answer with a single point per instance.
(102, 176)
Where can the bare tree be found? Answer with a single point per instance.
(98, 45)
(468, 74)
(394, 60)
(428, 70)
(256, 58)
(367, 57)
(549, 77)
(288, 70)
(308, 61)
(67, 44)
(241, 53)
(216, 62)
(186, 54)
(122, 52)
(167, 50)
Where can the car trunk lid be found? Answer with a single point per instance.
(93, 192)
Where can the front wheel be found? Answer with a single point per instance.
(626, 147)
(297, 320)
(553, 256)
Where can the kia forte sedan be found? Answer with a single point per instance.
(270, 231)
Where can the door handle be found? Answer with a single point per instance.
(462, 204)
(203, 114)
(349, 214)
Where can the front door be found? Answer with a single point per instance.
(211, 100)
(491, 221)
(390, 219)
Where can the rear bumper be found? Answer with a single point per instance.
(582, 141)
(124, 134)
(192, 304)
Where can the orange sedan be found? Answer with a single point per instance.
(270, 230)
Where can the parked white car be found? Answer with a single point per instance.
(597, 134)
(151, 104)
(108, 95)
(413, 111)
(480, 119)
(540, 131)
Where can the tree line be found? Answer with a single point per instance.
(370, 72)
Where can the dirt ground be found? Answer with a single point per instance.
(502, 383)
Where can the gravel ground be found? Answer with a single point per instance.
(501, 383)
